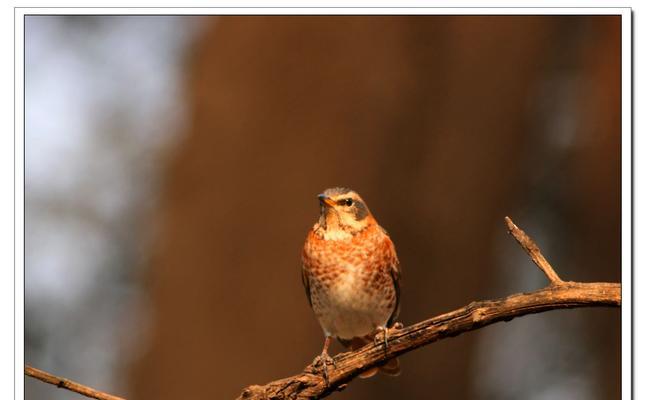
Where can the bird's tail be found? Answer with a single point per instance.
(391, 367)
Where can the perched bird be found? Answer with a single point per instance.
(351, 275)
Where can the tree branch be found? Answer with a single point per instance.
(559, 294)
(310, 383)
(67, 384)
(533, 251)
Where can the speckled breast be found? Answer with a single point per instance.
(351, 287)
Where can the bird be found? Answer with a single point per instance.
(351, 275)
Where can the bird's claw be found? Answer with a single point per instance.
(385, 332)
(322, 361)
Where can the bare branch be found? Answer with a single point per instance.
(311, 384)
(67, 384)
(558, 295)
(534, 252)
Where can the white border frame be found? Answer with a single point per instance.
(626, 143)
(19, 206)
(626, 207)
(624, 12)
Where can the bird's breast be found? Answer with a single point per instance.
(351, 289)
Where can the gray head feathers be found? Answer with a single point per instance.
(336, 191)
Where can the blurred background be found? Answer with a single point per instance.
(172, 165)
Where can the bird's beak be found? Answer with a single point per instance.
(323, 199)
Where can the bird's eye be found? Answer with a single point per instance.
(348, 202)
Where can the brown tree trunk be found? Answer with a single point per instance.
(424, 116)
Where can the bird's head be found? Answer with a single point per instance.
(343, 210)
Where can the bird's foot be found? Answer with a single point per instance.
(386, 333)
(322, 362)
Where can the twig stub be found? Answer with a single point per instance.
(534, 252)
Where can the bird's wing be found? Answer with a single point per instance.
(306, 284)
(395, 274)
